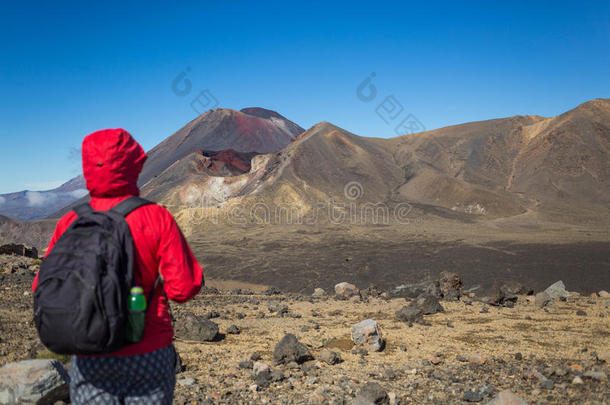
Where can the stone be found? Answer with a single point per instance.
(272, 291)
(595, 375)
(450, 283)
(318, 292)
(472, 396)
(34, 381)
(507, 397)
(186, 382)
(367, 334)
(212, 315)
(19, 250)
(476, 359)
(193, 327)
(330, 357)
(246, 365)
(415, 290)
(277, 308)
(428, 304)
(260, 367)
(484, 309)
(263, 378)
(387, 373)
(542, 299)
(410, 314)
(290, 349)
(604, 294)
(505, 295)
(256, 356)
(557, 290)
(580, 312)
(577, 380)
(346, 290)
(233, 330)
(372, 394)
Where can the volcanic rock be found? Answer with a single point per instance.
(367, 334)
(19, 250)
(330, 357)
(557, 290)
(410, 314)
(290, 349)
(428, 304)
(34, 381)
(346, 290)
(193, 327)
(372, 394)
(450, 284)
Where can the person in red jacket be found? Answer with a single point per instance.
(142, 372)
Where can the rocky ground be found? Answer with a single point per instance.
(554, 353)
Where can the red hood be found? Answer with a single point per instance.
(112, 161)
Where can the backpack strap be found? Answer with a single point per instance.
(154, 289)
(129, 204)
(83, 209)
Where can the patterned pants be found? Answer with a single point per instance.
(141, 379)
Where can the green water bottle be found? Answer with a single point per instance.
(137, 315)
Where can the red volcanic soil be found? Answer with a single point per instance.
(227, 162)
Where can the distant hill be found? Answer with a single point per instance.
(31, 233)
(556, 167)
(31, 205)
(530, 168)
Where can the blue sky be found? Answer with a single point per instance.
(70, 69)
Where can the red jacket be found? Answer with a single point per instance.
(112, 161)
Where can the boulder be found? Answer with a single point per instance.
(346, 290)
(34, 381)
(290, 349)
(450, 284)
(604, 294)
(318, 292)
(372, 394)
(329, 357)
(504, 295)
(367, 334)
(19, 250)
(410, 314)
(277, 308)
(557, 290)
(428, 304)
(193, 327)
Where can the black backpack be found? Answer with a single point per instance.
(80, 302)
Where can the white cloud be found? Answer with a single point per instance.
(81, 192)
(40, 198)
(36, 199)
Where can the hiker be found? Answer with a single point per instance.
(142, 372)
